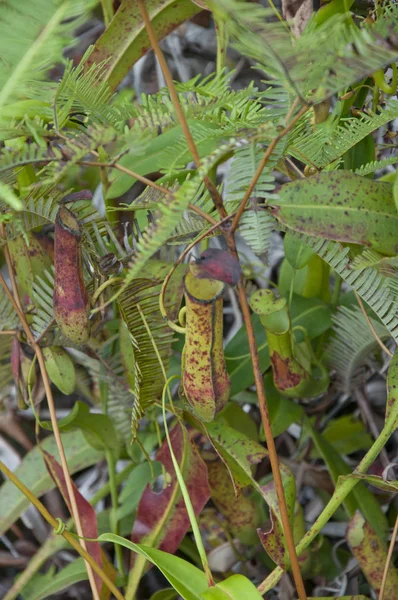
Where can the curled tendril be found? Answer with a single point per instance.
(61, 526)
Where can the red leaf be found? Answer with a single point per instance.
(162, 519)
(88, 518)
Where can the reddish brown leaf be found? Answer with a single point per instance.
(162, 519)
(87, 514)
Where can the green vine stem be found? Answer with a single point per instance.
(346, 485)
(222, 43)
(66, 534)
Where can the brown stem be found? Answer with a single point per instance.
(65, 534)
(273, 456)
(263, 162)
(50, 400)
(215, 194)
(146, 181)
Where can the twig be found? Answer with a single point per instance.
(263, 162)
(388, 560)
(148, 182)
(215, 194)
(372, 329)
(273, 456)
(50, 400)
(55, 524)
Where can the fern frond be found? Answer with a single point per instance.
(27, 154)
(370, 285)
(74, 150)
(256, 227)
(208, 99)
(42, 292)
(41, 207)
(33, 36)
(142, 297)
(322, 144)
(326, 58)
(8, 316)
(82, 91)
(376, 165)
(6, 376)
(351, 345)
(257, 224)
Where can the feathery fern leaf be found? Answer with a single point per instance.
(256, 225)
(376, 165)
(27, 154)
(43, 316)
(322, 144)
(370, 285)
(166, 219)
(139, 308)
(8, 316)
(351, 345)
(82, 91)
(33, 36)
(6, 376)
(344, 53)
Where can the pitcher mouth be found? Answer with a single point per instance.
(202, 291)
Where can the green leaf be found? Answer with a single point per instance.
(296, 253)
(347, 435)
(341, 206)
(235, 587)
(60, 368)
(43, 586)
(97, 429)
(310, 313)
(238, 452)
(125, 40)
(375, 480)
(166, 594)
(189, 581)
(282, 411)
(33, 473)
